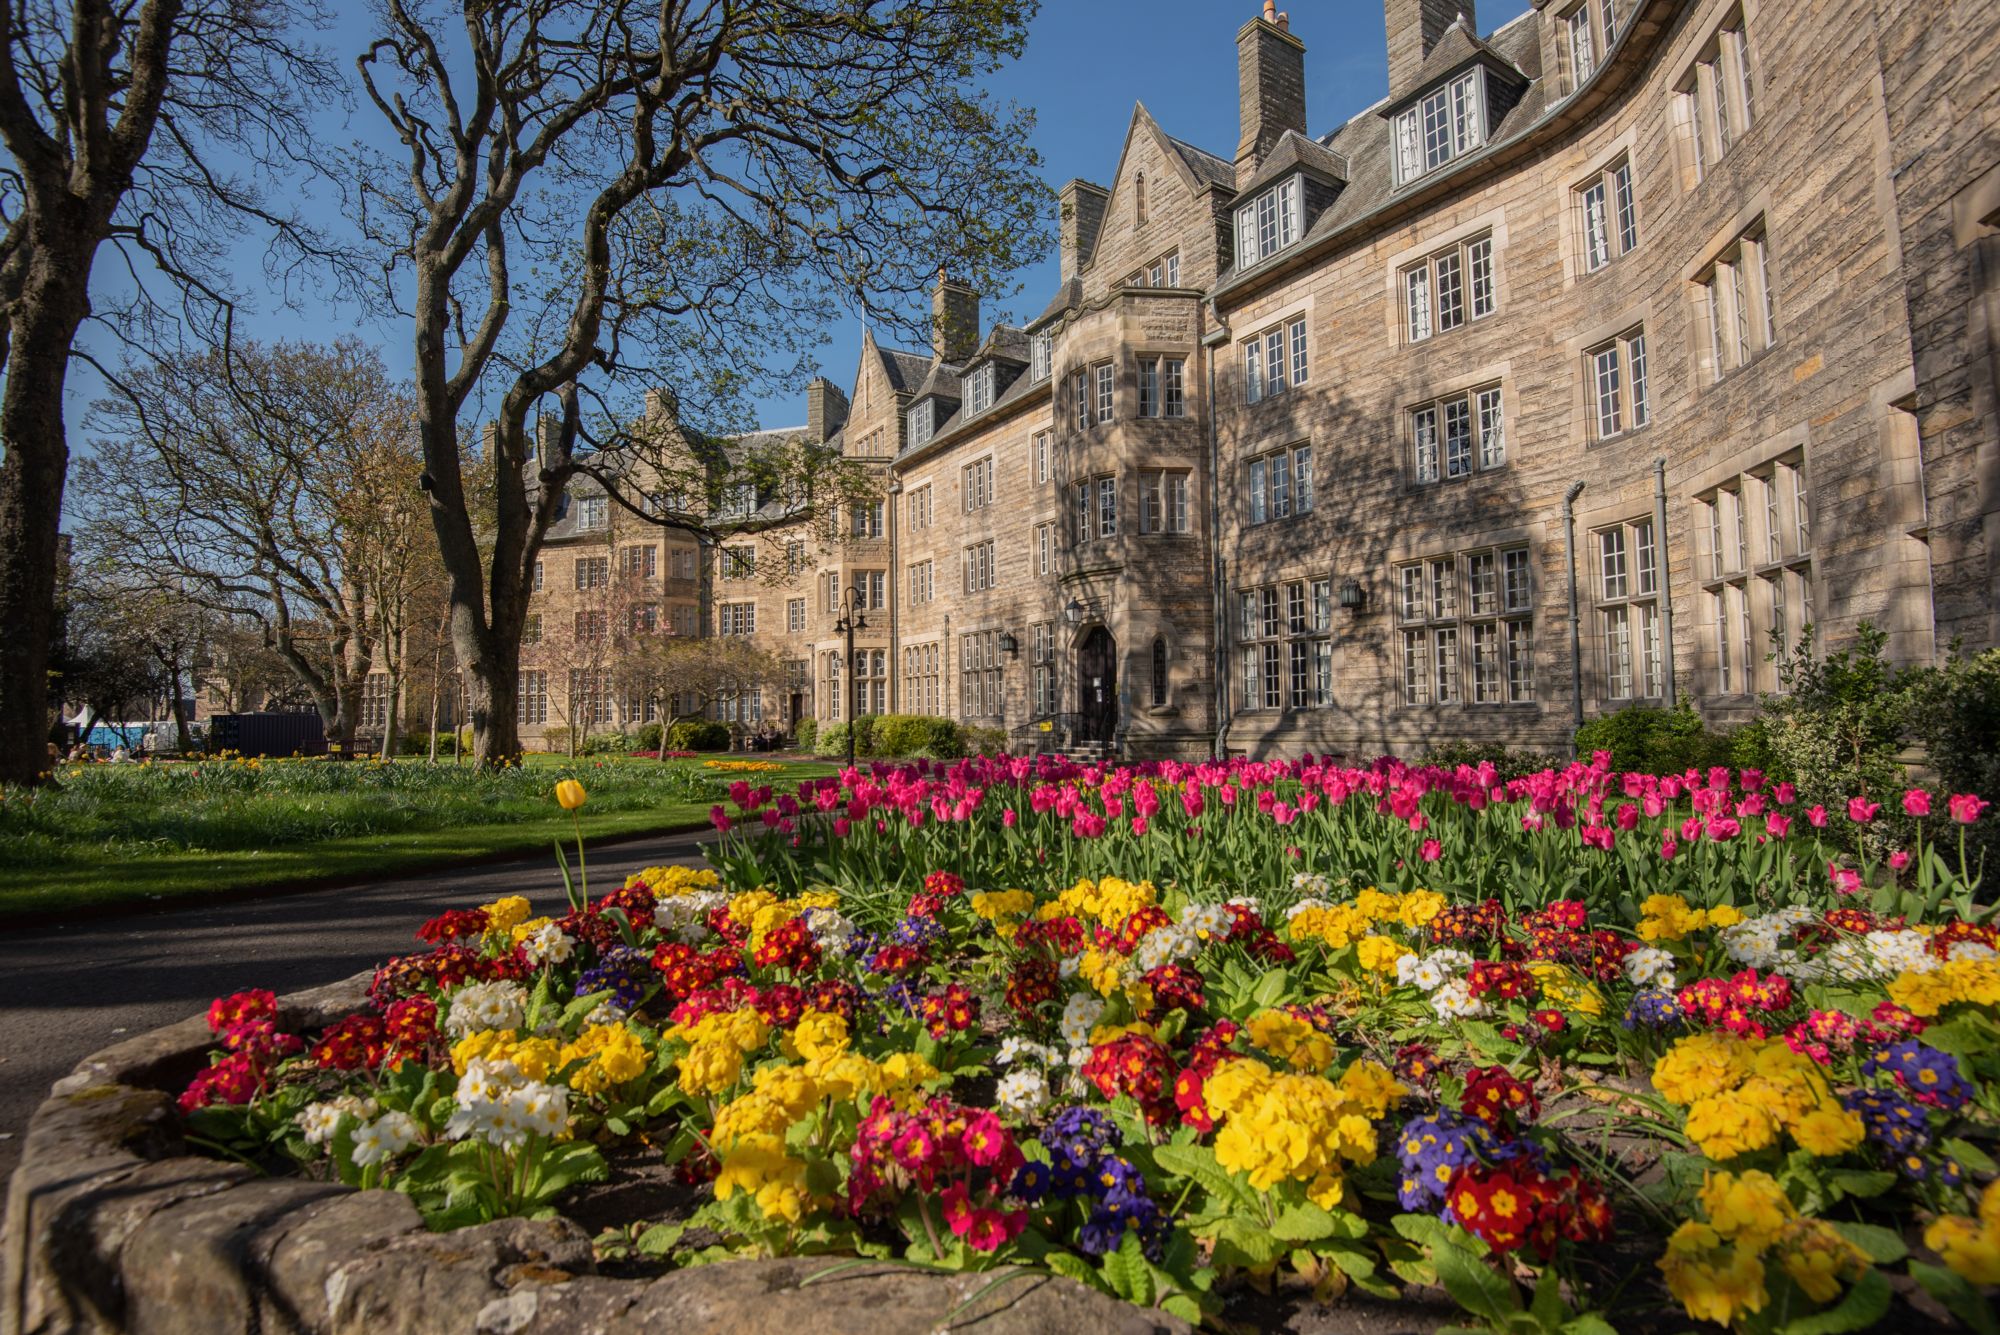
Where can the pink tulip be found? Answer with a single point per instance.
(1777, 826)
(841, 825)
(1860, 810)
(719, 819)
(1845, 880)
(1917, 802)
(1628, 816)
(1786, 794)
(1668, 848)
(1816, 817)
(1899, 860)
(1965, 807)
(1139, 825)
(1432, 850)
(1751, 780)
(1008, 818)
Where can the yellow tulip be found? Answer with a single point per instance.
(570, 794)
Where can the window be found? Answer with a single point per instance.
(1044, 450)
(739, 562)
(923, 680)
(866, 519)
(531, 698)
(1615, 379)
(641, 563)
(1080, 393)
(1162, 272)
(1444, 291)
(1477, 653)
(981, 688)
(1106, 391)
(920, 422)
(593, 572)
(592, 512)
(795, 615)
(978, 560)
(871, 589)
(1096, 508)
(1045, 549)
(1107, 507)
(835, 691)
(1716, 98)
(375, 700)
(1280, 484)
(1758, 588)
(1736, 292)
(1268, 223)
(976, 484)
(1607, 216)
(531, 628)
(1451, 436)
(795, 556)
(1628, 611)
(1285, 660)
(1042, 676)
(1592, 27)
(871, 681)
(736, 619)
(922, 583)
(738, 500)
(1041, 350)
(589, 697)
(1268, 368)
(681, 562)
(979, 390)
(920, 508)
(1162, 387)
(1163, 502)
(1445, 123)
(538, 576)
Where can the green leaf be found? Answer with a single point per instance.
(1958, 1296)
(1863, 1184)
(1474, 1285)
(1588, 1323)
(1271, 988)
(1883, 1246)
(1969, 1156)
(1128, 1272)
(1182, 1306)
(1547, 1307)
(1242, 1243)
(1861, 1308)
(659, 1239)
(1199, 1163)
(1071, 1266)
(1304, 1222)
(582, 1006)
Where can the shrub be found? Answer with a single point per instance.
(806, 732)
(1655, 741)
(648, 738)
(916, 735)
(693, 734)
(985, 741)
(1955, 714)
(831, 740)
(556, 739)
(1838, 728)
(606, 743)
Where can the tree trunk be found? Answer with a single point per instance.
(492, 687)
(393, 727)
(177, 705)
(41, 325)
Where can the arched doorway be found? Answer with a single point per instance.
(1097, 686)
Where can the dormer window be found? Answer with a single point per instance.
(921, 421)
(1041, 351)
(1268, 223)
(1592, 28)
(979, 390)
(1446, 123)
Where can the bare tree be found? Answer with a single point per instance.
(594, 194)
(120, 119)
(663, 668)
(278, 482)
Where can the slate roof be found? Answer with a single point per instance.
(1292, 152)
(1205, 165)
(906, 370)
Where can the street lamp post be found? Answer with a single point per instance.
(851, 620)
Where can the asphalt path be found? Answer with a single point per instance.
(67, 991)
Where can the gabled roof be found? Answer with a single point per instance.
(1204, 164)
(1459, 47)
(1295, 152)
(941, 383)
(905, 370)
(1066, 298)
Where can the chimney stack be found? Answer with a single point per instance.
(1082, 218)
(826, 409)
(1271, 87)
(1415, 28)
(954, 321)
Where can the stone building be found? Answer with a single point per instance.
(1678, 313)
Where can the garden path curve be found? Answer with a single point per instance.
(67, 991)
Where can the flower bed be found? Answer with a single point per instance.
(1581, 1051)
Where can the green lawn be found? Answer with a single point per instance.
(119, 835)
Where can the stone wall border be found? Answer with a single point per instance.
(112, 1226)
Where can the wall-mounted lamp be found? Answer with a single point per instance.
(1073, 613)
(1353, 598)
(1008, 644)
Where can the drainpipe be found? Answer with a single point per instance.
(1575, 625)
(1216, 338)
(1666, 585)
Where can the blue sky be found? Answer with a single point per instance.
(1087, 62)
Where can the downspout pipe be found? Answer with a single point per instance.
(1666, 583)
(1217, 337)
(1575, 622)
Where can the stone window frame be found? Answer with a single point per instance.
(531, 697)
(1735, 304)
(1045, 549)
(1043, 687)
(1260, 484)
(1765, 584)
(738, 561)
(1487, 408)
(979, 565)
(1041, 355)
(795, 616)
(979, 389)
(923, 678)
(1166, 501)
(1439, 624)
(982, 679)
(736, 618)
(1042, 455)
(1104, 391)
(1628, 593)
(1167, 398)
(1285, 340)
(1450, 116)
(921, 582)
(918, 506)
(592, 572)
(1715, 97)
(1464, 256)
(1616, 232)
(1626, 358)
(1262, 231)
(976, 482)
(1283, 633)
(1590, 29)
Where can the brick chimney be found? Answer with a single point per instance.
(826, 409)
(1271, 87)
(954, 321)
(1415, 29)
(1082, 218)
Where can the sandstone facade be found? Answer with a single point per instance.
(1690, 300)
